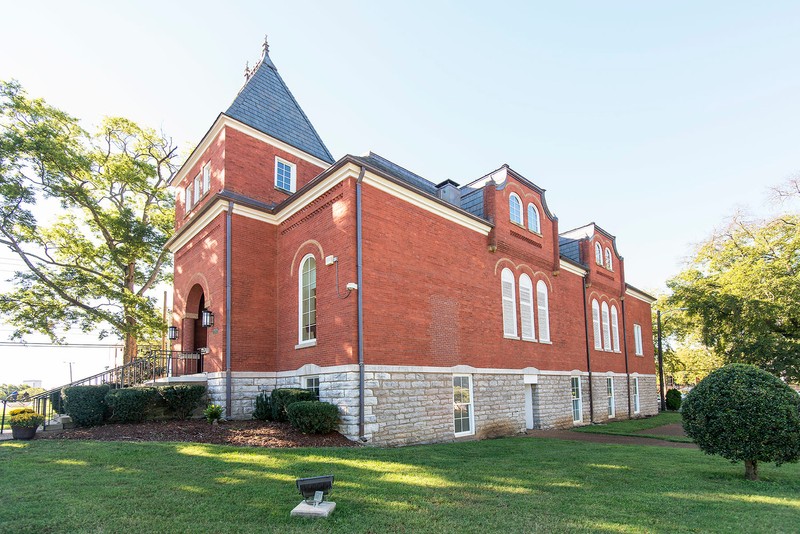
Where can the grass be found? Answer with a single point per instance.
(512, 484)
(633, 427)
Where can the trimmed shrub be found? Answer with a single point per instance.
(673, 400)
(283, 397)
(86, 405)
(25, 418)
(213, 412)
(263, 410)
(182, 400)
(744, 413)
(130, 405)
(313, 417)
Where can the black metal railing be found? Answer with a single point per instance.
(153, 365)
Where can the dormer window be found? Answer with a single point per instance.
(609, 263)
(285, 175)
(598, 254)
(533, 219)
(515, 209)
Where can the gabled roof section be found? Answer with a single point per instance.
(266, 104)
(399, 172)
(588, 231)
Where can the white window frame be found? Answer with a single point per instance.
(300, 311)
(470, 406)
(606, 327)
(598, 338)
(598, 254)
(577, 401)
(543, 311)
(198, 187)
(207, 177)
(612, 402)
(636, 404)
(637, 340)
(614, 329)
(514, 196)
(534, 224)
(609, 260)
(188, 196)
(509, 304)
(292, 178)
(526, 308)
(312, 387)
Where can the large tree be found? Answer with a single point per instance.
(107, 215)
(741, 292)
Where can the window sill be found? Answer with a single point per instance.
(306, 344)
(282, 190)
(639, 355)
(463, 434)
(506, 336)
(529, 339)
(545, 342)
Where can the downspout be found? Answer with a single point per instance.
(588, 354)
(360, 282)
(625, 348)
(228, 380)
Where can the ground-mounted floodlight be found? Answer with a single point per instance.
(313, 490)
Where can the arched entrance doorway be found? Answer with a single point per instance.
(195, 338)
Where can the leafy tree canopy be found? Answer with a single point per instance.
(91, 265)
(741, 292)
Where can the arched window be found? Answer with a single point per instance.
(509, 304)
(543, 310)
(614, 328)
(598, 343)
(526, 307)
(533, 219)
(598, 254)
(307, 282)
(609, 264)
(606, 328)
(515, 208)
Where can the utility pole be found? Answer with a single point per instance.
(70, 371)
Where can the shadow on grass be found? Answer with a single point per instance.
(507, 484)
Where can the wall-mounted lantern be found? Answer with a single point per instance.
(172, 333)
(206, 318)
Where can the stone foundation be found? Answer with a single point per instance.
(411, 406)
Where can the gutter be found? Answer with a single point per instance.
(360, 282)
(228, 383)
(588, 355)
(625, 348)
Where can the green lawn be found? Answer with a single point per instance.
(504, 485)
(632, 427)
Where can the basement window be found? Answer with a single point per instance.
(311, 383)
(463, 416)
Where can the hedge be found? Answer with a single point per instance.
(182, 400)
(313, 417)
(86, 405)
(263, 410)
(282, 398)
(130, 405)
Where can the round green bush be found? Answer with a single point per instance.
(213, 412)
(86, 405)
(674, 400)
(283, 397)
(130, 405)
(313, 417)
(743, 413)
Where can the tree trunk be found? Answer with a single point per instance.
(130, 321)
(751, 469)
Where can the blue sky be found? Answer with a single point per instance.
(655, 120)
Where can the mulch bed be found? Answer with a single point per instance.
(240, 433)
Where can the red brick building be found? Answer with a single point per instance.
(426, 311)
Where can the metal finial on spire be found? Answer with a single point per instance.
(265, 47)
(247, 70)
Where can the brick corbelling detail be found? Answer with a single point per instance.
(526, 239)
(313, 213)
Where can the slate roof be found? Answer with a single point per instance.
(570, 249)
(266, 104)
(399, 172)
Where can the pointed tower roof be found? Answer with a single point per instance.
(266, 104)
